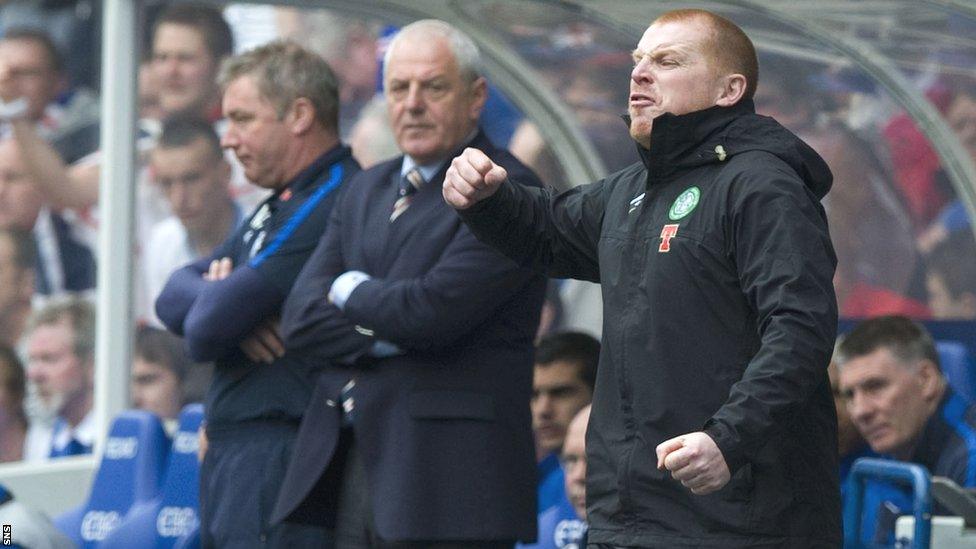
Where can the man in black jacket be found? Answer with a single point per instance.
(712, 421)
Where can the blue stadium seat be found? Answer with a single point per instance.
(166, 520)
(958, 368)
(129, 475)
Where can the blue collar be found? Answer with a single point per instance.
(426, 170)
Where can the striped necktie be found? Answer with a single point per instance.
(409, 185)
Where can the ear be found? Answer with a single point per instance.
(931, 380)
(301, 116)
(479, 94)
(732, 90)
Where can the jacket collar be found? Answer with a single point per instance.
(938, 429)
(314, 171)
(681, 141)
(479, 140)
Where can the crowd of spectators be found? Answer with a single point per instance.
(903, 238)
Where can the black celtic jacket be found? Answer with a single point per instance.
(719, 316)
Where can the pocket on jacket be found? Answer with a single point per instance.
(740, 486)
(452, 405)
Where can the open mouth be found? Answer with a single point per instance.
(641, 100)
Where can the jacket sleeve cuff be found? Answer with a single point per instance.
(490, 204)
(727, 443)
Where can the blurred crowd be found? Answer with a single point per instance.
(902, 235)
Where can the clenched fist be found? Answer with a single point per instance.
(695, 461)
(471, 178)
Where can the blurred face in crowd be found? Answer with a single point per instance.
(155, 388)
(432, 107)
(889, 401)
(195, 182)
(256, 134)
(558, 393)
(848, 437)
(16, 282)
(961, 116)
(183, 68)
(20, 202)
(946, 306)
(672, 73)
(32, 74)
(61, 378)
(11, 404)
(573, 459)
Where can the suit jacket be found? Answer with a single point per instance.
(444, 428)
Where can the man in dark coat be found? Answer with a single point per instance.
(712, 421)
(281, 102)
(419, 431)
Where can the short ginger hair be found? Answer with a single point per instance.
(728, 46)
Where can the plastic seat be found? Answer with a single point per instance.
(958, 368)
(129, 475)
(174, 515)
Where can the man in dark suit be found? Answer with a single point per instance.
(419, 431)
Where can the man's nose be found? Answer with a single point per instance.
(178, 194)
(641, 72)
(577, 471)
(415, 99)
(543, 405)
(169, 66)
(859, 408)
(229, 139)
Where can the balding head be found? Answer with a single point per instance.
(574, 461)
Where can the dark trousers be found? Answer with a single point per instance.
(239, 482)
(355, 528)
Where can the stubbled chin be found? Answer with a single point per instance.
(640, 130)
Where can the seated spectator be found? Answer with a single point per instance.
(189, 167)
(961, 116)
(74, 25)
(565, 373)
(951, 278)
(60, 366)
(31, 69)
(159, 370)
(13, 420)
(875, 253)
(16, 284)
(900, 402)
(563, 526)
(188, 43)
(63, 263)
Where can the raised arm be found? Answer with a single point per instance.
(556, 235)
(63, 186)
